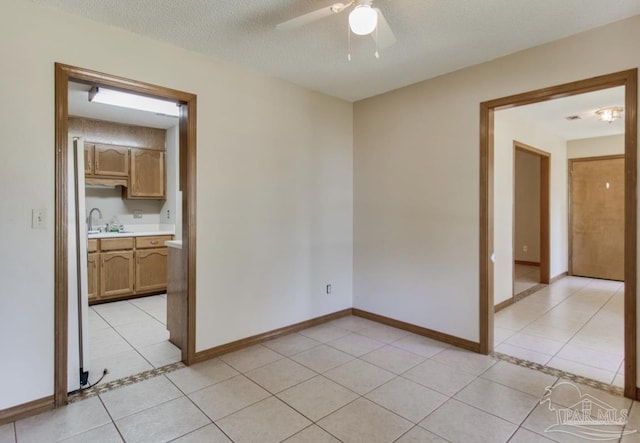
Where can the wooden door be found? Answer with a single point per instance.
(151, 270)
(116, 273)
(111, 160)
(597, 218)
(147, 174)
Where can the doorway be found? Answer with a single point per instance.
(531, 218)
(628, 79)
(187, 184)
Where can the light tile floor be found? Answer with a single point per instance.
(575, 324)
(128, 337)
(349, 380)
(525, 277)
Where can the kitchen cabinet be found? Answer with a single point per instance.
(124, 267)
(147, 179)
(93, 258)
(151, 263)
(151, 269)
(116, 273)
(106, 160)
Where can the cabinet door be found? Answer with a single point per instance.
(151, 270)
(88, 158)
(116, 273)
(93, 275)
(111, 160)
(147, 178)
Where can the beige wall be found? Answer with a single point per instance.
(274, 188)
(416, 197)
(596, 146)
(526, 207)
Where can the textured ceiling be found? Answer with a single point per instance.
(433, 36)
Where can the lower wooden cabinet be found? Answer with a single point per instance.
(126, 266)
(93, 278)
(151, 269)
(116, 273)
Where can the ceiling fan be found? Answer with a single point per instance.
(363, 20)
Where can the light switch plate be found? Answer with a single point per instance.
(38, 218)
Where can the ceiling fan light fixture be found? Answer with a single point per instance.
(363, 19)
(609, 114)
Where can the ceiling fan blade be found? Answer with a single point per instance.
(311, 17)
(385, 35)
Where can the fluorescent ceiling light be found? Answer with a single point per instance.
(98, 94)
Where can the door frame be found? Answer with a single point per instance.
(187, 183)
(628, 79)
(570, 163)
(544, 201)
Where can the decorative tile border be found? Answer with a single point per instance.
(125, 381)
(529, 291)
(559, 373)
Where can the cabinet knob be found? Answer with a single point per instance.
(154, 242)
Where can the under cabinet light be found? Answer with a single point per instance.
(106, 96)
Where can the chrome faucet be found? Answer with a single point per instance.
(90, 218)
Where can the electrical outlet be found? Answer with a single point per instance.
(137, 213)
(168, 214)
(524, 248)
(328, 289)
(38, 218)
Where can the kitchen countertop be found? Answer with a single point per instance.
(129, 234)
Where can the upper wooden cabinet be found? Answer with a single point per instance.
(106, 160)
(147, 178)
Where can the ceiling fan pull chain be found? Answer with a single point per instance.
(349, 42)
(377, 54)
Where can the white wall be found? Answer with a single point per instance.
(526, 207)
(274, 188)
(416, 198)
(111, 203)
(508, 128)
(596, 146)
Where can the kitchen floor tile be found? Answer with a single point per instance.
(498, 400)
(393, 359)
(355, 344)
(291, 344)
(201, 375)
(460, 423)
(207, 434)
(322, 358)
(439, 377)
(164, 422)
(7, 433)
(250, 358)
(364, 421)
(420, 435)
(139, 396)
(417, 344)
(522, 379)
(359, 376)
(227, 397)
(279, 375)
(63, 422)
(268, 421)
(312, 434)
(318, 397)
(407, 399)
(104, 434)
